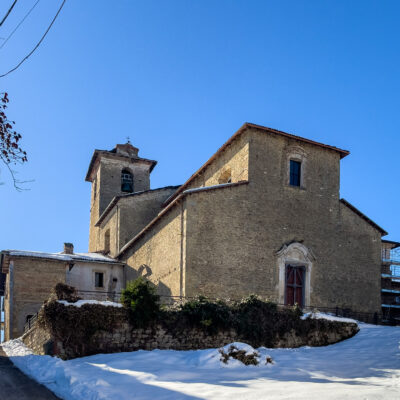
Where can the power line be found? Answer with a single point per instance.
(8, 13)
(23, 19)
(38, 44)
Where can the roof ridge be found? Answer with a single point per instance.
(116, 199)
(245, 126)
(363, 216)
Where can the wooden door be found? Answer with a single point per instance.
(295, 285)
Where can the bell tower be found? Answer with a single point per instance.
(115, 172)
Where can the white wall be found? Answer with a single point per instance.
(82, 277)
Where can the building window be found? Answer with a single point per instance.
(295, 173)
(94, 188)
(126, 181)
(99, 279)
(225, 177)
(107, 241)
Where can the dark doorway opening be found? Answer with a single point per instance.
(294, 293)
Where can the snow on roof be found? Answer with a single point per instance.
(90, 257)
(199, 189)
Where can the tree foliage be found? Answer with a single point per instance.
(11, 152)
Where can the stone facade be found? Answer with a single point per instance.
(235, 225)
(127, 216)
(26, 290)
(105, 174)
(159, 255)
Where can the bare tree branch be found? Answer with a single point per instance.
(11, 152)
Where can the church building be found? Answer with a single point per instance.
(262, 216)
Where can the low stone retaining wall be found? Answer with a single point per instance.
(39, 340)
(119, 335)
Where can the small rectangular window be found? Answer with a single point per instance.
(295, 173)
(98, 279)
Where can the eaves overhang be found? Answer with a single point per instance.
(364, 217)
(395, 244)
(105, 153)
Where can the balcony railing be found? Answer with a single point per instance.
(391, 271)
(391, 256)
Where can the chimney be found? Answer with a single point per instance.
(68, 248)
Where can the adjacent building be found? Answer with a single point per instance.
(30, 277)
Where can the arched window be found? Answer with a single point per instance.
(126, 181)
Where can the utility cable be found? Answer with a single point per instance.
(8, 13)
(38, 44)
(21, 22)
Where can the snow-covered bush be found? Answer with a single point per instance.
(245, 354)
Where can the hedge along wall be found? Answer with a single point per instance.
(69, 331)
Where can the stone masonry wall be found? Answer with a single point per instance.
(235, 159)
(39, 341)
(226, 241)
(233, 234)
(130, 215)
(159, 255)
(346, 269)
(33, 280)
(163, 248)
(124, 338)
(108, 185)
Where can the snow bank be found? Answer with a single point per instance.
(367, 366)
(80, 303)
(329, 317)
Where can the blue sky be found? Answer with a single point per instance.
(179, 78)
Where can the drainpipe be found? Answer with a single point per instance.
(181, 266)
(10, 301)
(118, 228)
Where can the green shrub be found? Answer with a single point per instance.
(256, 319)
(141, 300)
(203, 313)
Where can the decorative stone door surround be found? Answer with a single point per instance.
(295, 254)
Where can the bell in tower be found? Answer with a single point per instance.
(115, 172)
(126, 181)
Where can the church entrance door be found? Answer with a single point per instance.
(295, 285)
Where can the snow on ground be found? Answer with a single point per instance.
(80, 303)
(318, 315)
(366, 366)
